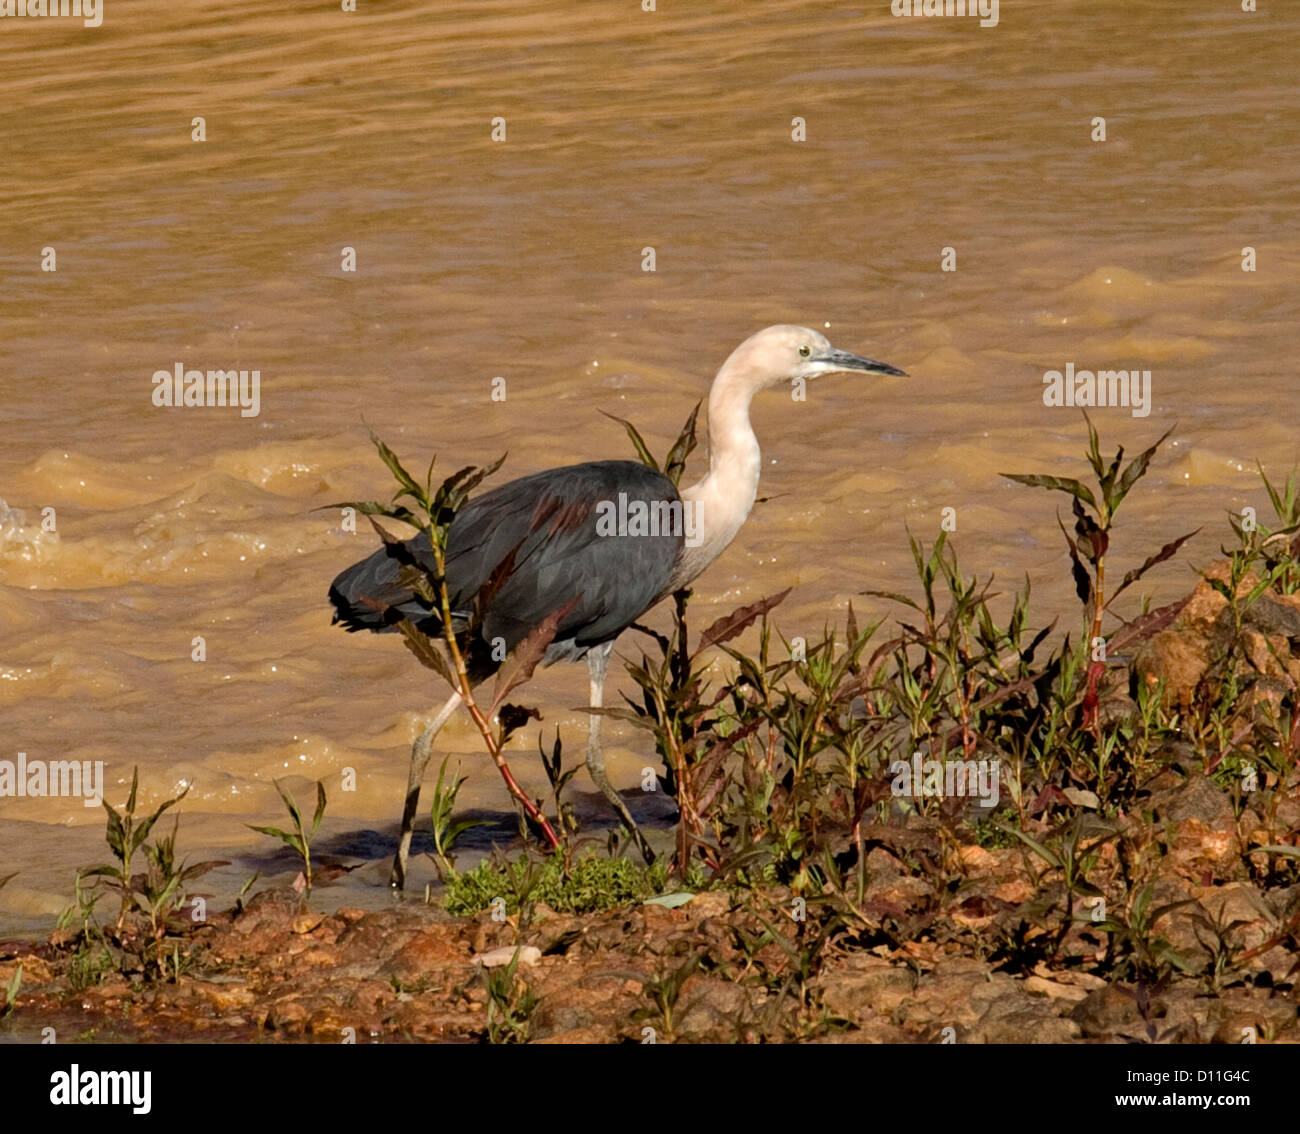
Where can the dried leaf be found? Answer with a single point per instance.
(428, 652)
(514, 717)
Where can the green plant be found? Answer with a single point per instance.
(446, 829)
(149, 900)
(1137, 949)
(1093, 516)
(677, 709)
(432, 511)
(160, 894)
(588, 884)
(125, 836)
(558, 777)
(664, 990)
(300, 838)
(248, 885)
(1065, 851)
(511, 1004)
(1219, 936)
(1280, 547)
(91, 958)
(11, 992)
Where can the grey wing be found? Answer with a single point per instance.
(540, 542)
(555, 538)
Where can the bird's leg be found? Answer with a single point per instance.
(597, 665)
(420, 752)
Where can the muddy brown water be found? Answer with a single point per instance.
(522, 259)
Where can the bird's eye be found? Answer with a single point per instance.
(804, 351)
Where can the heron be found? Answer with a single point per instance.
(548, 542)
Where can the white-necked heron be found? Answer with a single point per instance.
(552, 534)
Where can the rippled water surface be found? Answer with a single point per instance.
(522, 259)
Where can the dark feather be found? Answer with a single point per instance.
(526, 549)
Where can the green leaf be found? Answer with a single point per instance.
(450, 494)
(1108, 479)
(389, 458)
(1047, 855)
(135, 783)
(482, 474)
(275, 832)
(614, 713)
(1094, 447)
(1169, 907)
(421, 582)
(1055, 483)
(114, 833)
(1137, 469)
(638, 442)
(1220, 586)
(320, 807)
(459, 827)
(200, 868)
(675, 462)
(894, 596)
(142, 832)
(290, 803)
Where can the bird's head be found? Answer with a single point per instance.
(779, 354)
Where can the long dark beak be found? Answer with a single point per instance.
(842, 360)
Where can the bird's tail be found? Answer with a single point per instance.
(369, 596)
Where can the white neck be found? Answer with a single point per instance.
(722, 500)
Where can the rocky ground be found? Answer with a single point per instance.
(962, 939)
(721, 967)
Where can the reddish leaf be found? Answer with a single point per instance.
(1160, 556)
(737, 621)
(1142, 628)
(525, 657)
